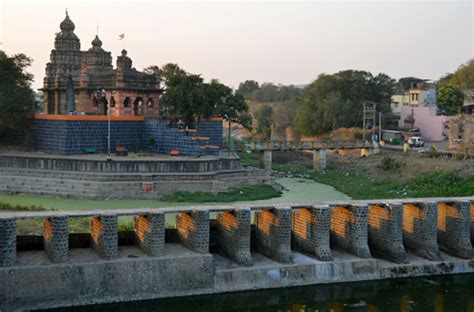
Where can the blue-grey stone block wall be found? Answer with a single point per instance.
(71, 137)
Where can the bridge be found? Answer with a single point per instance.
(223, 248)
(317, 147)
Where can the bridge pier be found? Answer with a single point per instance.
(7, 242)
(311, 231)
(233, 235)
(193, 230)
(386, 232)
(420, 230)
(319, 159)
(104, 236)
(273, 231)
(266, 161)
(454, 228)
(56, 238)
(150, 233)
(349, 229)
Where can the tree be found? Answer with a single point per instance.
(450, 99)
(264, 116)
(184, 97)
(463, 77)
(335, 101)
(406, 82)
(170, 70)
(247, 87)
(16, 95)
(188, 96)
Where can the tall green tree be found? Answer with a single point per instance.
(450, 99)
(247, 87)
(334, 101)
(264, 116)
(187, 95)
(463, 77)
(16, 95)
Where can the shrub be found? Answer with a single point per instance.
(390, 164)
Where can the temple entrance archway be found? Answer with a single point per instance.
(137, 106)
(102, 109)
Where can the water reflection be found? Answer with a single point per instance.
(442, 294)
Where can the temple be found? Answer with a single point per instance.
(85, 82)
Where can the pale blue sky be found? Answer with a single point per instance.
(281, 42)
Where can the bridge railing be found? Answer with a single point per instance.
(258, 145)
(382, 228)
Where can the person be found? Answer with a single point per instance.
(186, 131)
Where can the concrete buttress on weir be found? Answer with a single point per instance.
(292, 245)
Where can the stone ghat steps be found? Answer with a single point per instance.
(132, 176)
(124, 187)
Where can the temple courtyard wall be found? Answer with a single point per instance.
(72, 135)
(291, 245)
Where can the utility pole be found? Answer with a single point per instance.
(380, 126)
(369, 115)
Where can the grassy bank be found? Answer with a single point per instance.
(246, 193)
(359, 186)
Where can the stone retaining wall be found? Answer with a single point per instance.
(155, 269)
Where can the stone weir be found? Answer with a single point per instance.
(93, 177)
(243, 248)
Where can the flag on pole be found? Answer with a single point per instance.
(121, 36)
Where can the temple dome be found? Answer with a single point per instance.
(96, 42)
(67, 24)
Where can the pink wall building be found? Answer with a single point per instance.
(433, 127)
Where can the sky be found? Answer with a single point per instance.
(268, 41)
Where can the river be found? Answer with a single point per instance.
(296, 190)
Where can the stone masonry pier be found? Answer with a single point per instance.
(231, 248)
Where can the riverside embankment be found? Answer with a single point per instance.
(286, 245)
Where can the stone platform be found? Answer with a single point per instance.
(136, 176)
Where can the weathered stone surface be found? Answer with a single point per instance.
(150, 233)
(472, 222)
(7, 242)
(273, 231)
(311, 231)
(233, 235)
(104, 236)
(349, 229)
(386, 232)
(420, 229)
(56, 238)
(454, 228)
(193, 230)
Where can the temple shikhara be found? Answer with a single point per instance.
(86, 82)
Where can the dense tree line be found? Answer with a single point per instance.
(335, 101)
(16, 95)
(268, 92)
